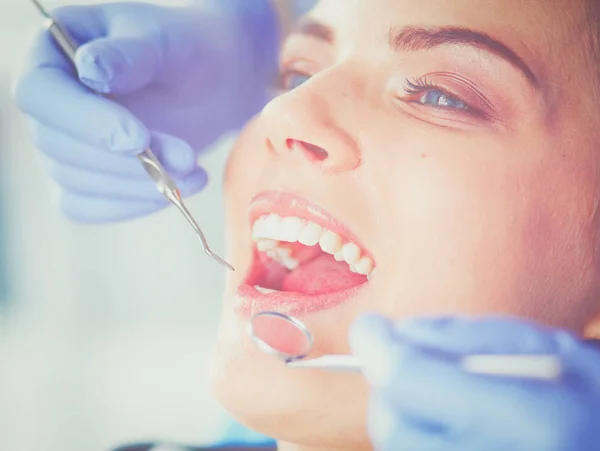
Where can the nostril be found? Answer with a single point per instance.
(312, 152)
(318, 153)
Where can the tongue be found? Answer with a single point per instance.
(321, 275)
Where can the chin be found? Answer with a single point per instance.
(307, 407)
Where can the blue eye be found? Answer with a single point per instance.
(294, 79)
(441, 99)
(433, 97)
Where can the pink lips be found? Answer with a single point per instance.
(284, 204)
(250, 300)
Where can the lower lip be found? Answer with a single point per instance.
(251, 301)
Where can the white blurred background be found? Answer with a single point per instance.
(100, 342)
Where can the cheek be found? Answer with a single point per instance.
(458, 198)
(246, 166)
(472, 220)
(246, 157)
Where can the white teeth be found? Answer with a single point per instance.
(264, 290)
(290, 263)
(351, 253)
(282, 255)
(371, 274)
(290, 228)
(279, 253)
(265, 244)
(258, 228)
(270, 226)
(364, 266)
(270, 230)
(330, 242)
(310, 234)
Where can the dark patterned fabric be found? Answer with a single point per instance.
(158, 447)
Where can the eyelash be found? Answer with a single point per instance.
(417, 89)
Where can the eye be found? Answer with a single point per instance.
(292, 79)
(429, 95)
(441, 99)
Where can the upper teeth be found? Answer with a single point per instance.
(269, 230)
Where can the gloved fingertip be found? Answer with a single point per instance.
(194, 183)
(94, 85)
(371, 340)
(176, 155)
(129, 137)
(96, 66)
(367, 325)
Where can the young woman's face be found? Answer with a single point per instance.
(451, 145)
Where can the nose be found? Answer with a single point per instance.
(312, 121)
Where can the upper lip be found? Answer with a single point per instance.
(287, 204)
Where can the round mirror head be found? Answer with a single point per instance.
(280, 335)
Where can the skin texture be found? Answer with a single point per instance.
(463, 213)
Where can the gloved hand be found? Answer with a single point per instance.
(178, 79)
(422, 401)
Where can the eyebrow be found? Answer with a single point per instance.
(413, 39)
(416, 38)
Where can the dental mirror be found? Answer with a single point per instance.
(280, 335)
(289, 339)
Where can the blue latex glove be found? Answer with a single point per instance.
(423, 402)
(178, 78)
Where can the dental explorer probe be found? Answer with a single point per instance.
(164, 183)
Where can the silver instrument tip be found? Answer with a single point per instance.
(41, 9)
(219, 259)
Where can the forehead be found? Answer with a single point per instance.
(531, 27)
(518, 13)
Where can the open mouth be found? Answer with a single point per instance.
(302, 257)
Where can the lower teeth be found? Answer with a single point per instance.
(282, 256)
(264, 290)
